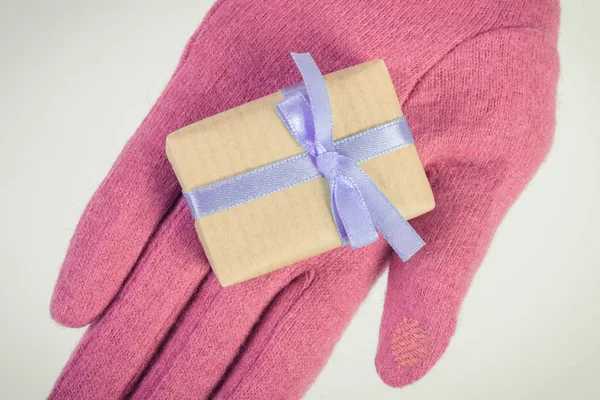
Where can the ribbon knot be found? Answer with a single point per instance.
(329, 164)
(358, 207)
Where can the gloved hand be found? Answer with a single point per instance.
(477, 81)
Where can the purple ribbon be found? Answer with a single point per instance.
(358, 207)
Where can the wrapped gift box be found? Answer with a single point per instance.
(291, 225)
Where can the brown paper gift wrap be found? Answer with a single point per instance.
(282, 228)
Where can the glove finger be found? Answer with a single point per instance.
(118, 346)
(209, 335)
(423, 296)
(295, 323)
(482, 168)
(285, 355)
(128, 206)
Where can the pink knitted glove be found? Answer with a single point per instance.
(477, 81)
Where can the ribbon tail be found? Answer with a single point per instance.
(399, 234)
(389, 222)
(349, 205)
(336, 215)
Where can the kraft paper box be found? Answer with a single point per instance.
(291, 225)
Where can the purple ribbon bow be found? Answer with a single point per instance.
(359, 208)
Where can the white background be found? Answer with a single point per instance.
(77, 77)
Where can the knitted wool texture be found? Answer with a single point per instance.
(477, 81)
